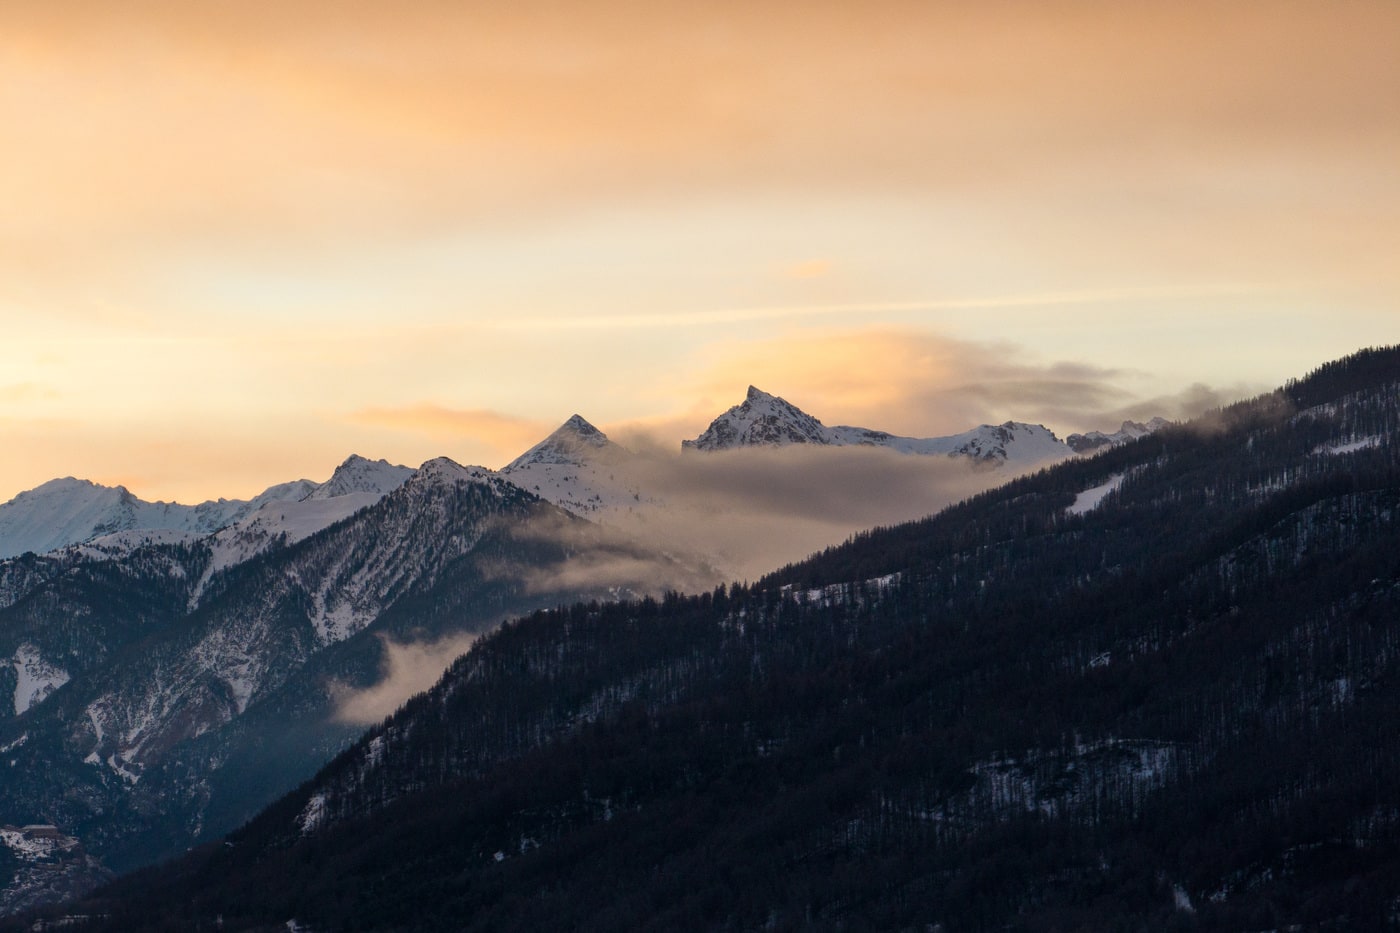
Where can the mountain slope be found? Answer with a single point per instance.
(1170, 710)
(578, 468)
(160, 734)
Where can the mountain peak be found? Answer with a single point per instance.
(1129, 431)
(760, 420)
(579, 423)
(359, 474)
(571, 443)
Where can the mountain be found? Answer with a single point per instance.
(578, 468)
(1151, 689)
(70, 511)
(1097, 440)
(359, 475)
(64, 512)
(161, 697)
(764, 420)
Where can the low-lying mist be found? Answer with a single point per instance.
(751, 510)
(703, 519)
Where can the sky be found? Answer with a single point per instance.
(240, 241)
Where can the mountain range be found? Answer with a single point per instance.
(577, 467)
(1149, 689)
(172, 669)
(764, 420)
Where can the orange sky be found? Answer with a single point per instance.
(242, 240)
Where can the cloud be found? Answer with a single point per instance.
(752, 510)
(507, 434)
(408, 668)
(810, 269)
(27, 392)
(922, 384)
(1192, 402)
(611, 559)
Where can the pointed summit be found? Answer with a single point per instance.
(760, 420)
(580, 427)
(573, 442)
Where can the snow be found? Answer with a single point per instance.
(118, 544)
(840, 594)
(579, 469)
(573, 441)
(769, 421)
(1351, 446)
(31, 846)
(356, 484)
(312, 814)
(279, 522)
(118, 765)
(71, 511)
(35, 678)
(357, 475)
(1090, 499)
(1129, 431)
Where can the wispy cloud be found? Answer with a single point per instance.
(408, 668)
(721, 316)
(507, 434)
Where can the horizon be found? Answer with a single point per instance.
(243, 240)
(649, 442)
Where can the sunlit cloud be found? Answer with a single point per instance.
(26, 392)
(506, 434)
(810, 269)
(923, 384)
(217, 213)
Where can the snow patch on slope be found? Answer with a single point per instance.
(1350, 446)
(36, 678)
(1090, 499)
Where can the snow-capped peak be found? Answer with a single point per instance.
(446, 470)
(358, 474)
(761, 420)
(573, 442)
(578, 468)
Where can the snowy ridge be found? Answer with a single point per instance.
(764, 420)
(356, 484)
(1098, 440)
(113, 522)
(71, 511)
